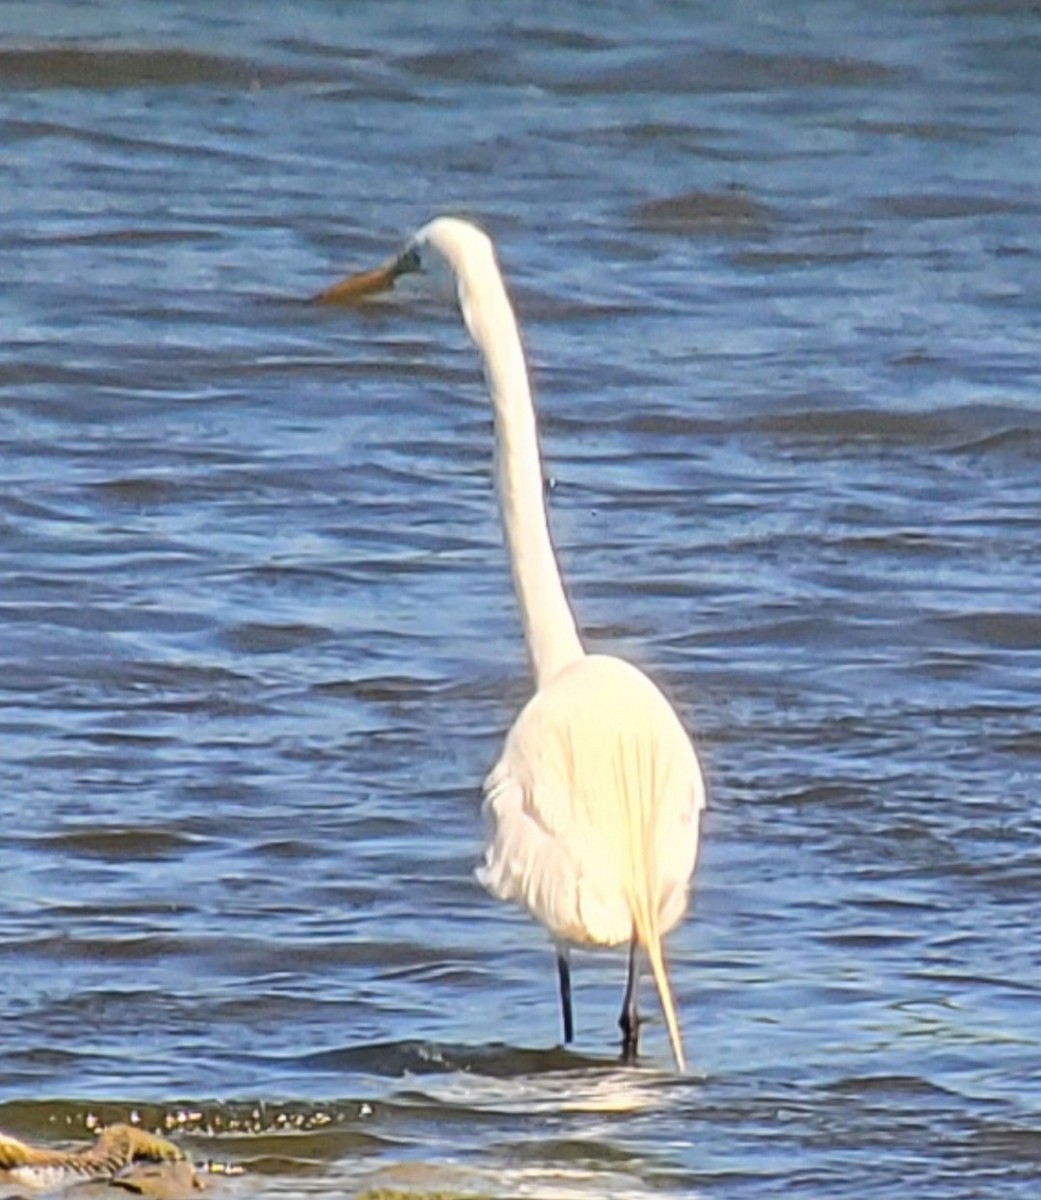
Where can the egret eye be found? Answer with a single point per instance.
(410, 262)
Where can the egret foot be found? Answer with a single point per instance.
(629, 1022)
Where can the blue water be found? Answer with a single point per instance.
(778, 271)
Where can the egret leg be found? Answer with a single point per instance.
(564, 971)
(629, 1021)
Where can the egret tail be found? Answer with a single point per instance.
(650, 939)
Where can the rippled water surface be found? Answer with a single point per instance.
(778, 268)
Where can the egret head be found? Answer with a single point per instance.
(445, 241)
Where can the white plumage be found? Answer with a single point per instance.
(573, 836)
(593, 807)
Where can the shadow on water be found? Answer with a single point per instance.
(498, 1061)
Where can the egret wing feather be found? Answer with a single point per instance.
(593, 806)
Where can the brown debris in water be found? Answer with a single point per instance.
(123, 1156)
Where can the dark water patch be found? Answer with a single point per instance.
(115, 951)
(295, 1145)
(93, 681)
(705, 214)
(1014, 442)
(428, 1058)
(23, 373)
(938, 975)
(913, 1088)
(107, 139)
(1022, 743)
(553, 37)
(573, 1152)
(918, 357)
(767, 71)
(675, 137)
(139, 490)
(26, 1063)
(267, 638)
(129, 740)
(385, 690)
(128, 236)
(921, 543)
(1007, 1142)
(109, 911)
(869, 940)
(694, 71)
(105, 67)
(971, 430)
(242, 956)
(998, 630)
(952, 207)
(298, 43)
(118, 1013)
(963, 429)
(666, 425)
(116, 843)
(286, 849)
(461, 974)
(476, 64)
(928, 131)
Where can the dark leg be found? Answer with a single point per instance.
(629, 1021)
(564, 971)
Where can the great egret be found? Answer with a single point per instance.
(594, 805)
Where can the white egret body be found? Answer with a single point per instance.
(594, 805)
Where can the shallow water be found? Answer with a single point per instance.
(778, 272)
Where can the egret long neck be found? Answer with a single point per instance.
(549, 624)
